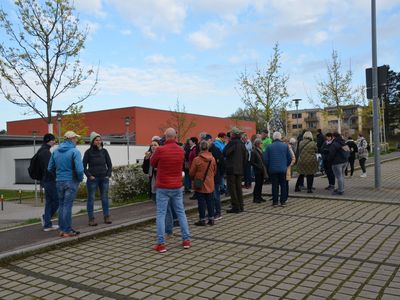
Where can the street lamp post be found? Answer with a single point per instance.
(59, 117)
(34, 132)
(296, 102)
(127, 123)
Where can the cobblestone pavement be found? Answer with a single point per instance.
(357, 188)
(313, 248)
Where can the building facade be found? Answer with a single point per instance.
(326, 119)
(143, 124)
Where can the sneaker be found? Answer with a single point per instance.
(107, 220)
(232, 211)
(329, 187)
(161, 248)
(186, 244)
(53, 227)
(210, 222)
(337, 193)
(363, 175)
(274, 205)
(283, 204)
(217, 217)
(200, 223)
(72, 233)
(92, 222)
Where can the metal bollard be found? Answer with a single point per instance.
(2, 202)
(20, 196)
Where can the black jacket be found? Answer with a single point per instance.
(99, 162)
(44, 155)
(353, 149)
(336, 153)
(219, 159)
(235, 154)
(320, 141)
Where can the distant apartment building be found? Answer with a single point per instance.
(326, 119)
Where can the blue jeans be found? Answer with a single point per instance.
(203, 200)
(174, 196)
(188, 182)
(217, 199)
(102, 183)
(338, 170)
(278, 180)
(66, 191)
(51, 205)
(169, 218)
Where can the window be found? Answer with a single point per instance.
(312, 114)
(312, 124)
(296, 116)
(294, 126)
(21, 171)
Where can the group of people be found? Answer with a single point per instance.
(63, 170)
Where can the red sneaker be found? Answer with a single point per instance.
(186, 244)
(160, 248)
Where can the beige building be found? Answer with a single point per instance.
(325, 119)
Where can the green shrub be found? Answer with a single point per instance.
(128, 182)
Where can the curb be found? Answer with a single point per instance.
(24, 252)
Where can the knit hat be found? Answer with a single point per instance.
(93, 136)
(221, 135)
(48, 137)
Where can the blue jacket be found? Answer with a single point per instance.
(219, 144)
(277, 157)
(64, 160)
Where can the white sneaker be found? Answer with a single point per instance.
(54, 227)
(363, 175)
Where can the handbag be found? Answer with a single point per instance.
(199, 183)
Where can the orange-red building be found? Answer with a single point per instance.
(145, 123)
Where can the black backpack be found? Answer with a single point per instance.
(35, 170)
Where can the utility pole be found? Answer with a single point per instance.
(377, 144)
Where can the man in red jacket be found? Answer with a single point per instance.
(168, 160)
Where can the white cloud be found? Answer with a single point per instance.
(209, 37)
(159, 59)
(155, 81)
(153, 17)
(90, 6)
(126, 32)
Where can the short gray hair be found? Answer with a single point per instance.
(257, 141)
(170, 133)
(277, 136)
(308, 135)
(203, 145)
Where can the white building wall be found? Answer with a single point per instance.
(8, 155)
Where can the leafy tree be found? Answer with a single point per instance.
(392, 102)
(40, 60)
(179, 121)
(265, 92)
(74, 121)
(337, 91)
(3, 131)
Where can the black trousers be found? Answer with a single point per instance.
(351, 164)
(234, 183)
(310, 181)
(362, 164)
(329, 173)
(259, 180)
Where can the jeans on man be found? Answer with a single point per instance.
(338, 170)
(278, 180)
(169, 218)
(66, 191)
(175, 196)
(205, 200)
(102, 183)
(217, 198)
(52, 203)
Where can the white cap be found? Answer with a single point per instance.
(71, 134)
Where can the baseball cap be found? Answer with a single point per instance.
(70, 134)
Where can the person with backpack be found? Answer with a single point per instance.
(353, 150)
(338, 156)
(362, 146)
(97, 167)
(66, 161)
(47, 181)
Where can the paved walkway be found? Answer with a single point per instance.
(314, 248)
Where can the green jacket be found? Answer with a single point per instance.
(265, 142)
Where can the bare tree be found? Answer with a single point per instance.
(40, 60)
(265, 92)
(179, 121)
(337, 91)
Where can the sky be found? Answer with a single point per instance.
(152, 53)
